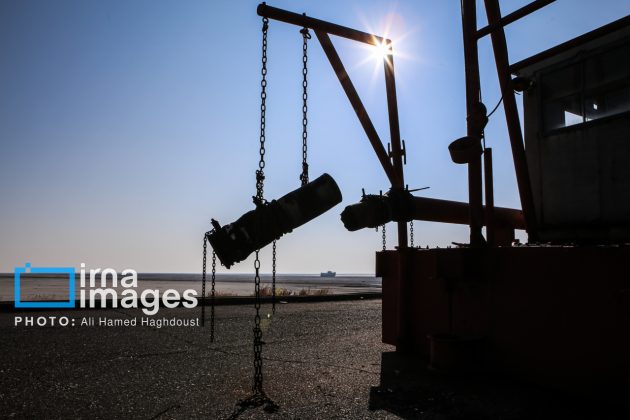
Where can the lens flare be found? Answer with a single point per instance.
(381, 50)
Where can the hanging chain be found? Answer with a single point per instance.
(257, 387)
(260, 174)
(273, 279)
(411, 233)
(203, 280)
(203, 286)
(384, 238)
(305, 36)
(258, 375)
(212, 295)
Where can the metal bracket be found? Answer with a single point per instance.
(403, 152)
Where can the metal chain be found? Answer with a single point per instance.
(305, 36)
(384, 238)
(411, 233)
(203, 286)
(273, 279)
(257, 387)
(203, 280)
(212, 294)
(260, 174)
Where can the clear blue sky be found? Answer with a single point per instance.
(126, 125)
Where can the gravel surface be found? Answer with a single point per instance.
(321, 360)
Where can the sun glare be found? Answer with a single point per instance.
(381, 50)
(392, 28)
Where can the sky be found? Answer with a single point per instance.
(125, 126)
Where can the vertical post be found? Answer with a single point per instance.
(489, 190)
(394, 130)
(499, 45)
(473, 88)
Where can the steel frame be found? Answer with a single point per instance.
(392, 163)
(393, 168)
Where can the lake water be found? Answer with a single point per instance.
(54, 287)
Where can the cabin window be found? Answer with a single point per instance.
(594, 87)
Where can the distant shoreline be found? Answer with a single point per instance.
(197, 276)
(47, 287)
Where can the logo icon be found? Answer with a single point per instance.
(27, 269)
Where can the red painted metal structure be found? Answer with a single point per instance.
(556, 315)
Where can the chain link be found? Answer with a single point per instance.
(305, 36)
(212, 295)
(257, 387)
(260, 173)
(203, 286)
(273, 279)
(384, 238)
(203, 280)
(411, 233)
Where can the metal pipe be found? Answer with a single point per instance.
(489, 190)
(473, 89)
(514, 16)
(499, 45)
(457, 212)
(318, 25)
(394, 130)
(359, 109)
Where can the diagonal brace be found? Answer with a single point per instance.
(358, 107)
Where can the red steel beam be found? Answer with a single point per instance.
(445, 211)
(499, 45)
(489, 190)
(318, 25)
(394, 130)
(322, 29)
(513, 17)
(473, 93)
(392, 109)
(359, 109)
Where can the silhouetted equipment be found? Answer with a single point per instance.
(399, 205)
(577, 119)
(522, 84)
(376, 210)
(477, 118)
(465, 149)
(270, 220)
(392, 164)
(525, 303)
(457, 212)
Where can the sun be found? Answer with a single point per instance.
(388, 47)
(381, 50)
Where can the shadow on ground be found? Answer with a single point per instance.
(409, 390)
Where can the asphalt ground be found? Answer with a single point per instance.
(320, 360)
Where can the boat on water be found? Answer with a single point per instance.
(328, 274)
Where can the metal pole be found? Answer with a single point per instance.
(457, 212)
(394, 130)
(514, 16)
(489, 190)
(318, 25)
(359, 109)
(499, 45)
(473, 89)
